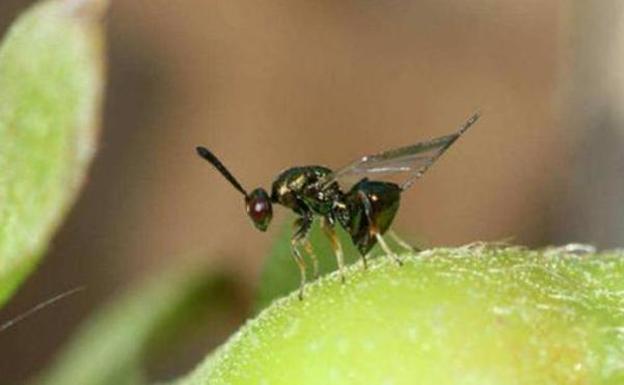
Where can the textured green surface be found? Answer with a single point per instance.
(474, 315)
(50, 84)
(111, 347)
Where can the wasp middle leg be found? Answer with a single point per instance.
(307, 245)
(328, 227)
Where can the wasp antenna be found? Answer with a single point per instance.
(472, 120)
(210, 157)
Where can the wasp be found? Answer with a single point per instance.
(366, 209)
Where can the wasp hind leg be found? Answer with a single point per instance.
(374, 230)
(302, 226)
(386, 249)
(330, 231)
(401, 242)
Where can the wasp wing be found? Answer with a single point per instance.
(410, 161)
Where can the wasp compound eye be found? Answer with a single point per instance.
(259, 208)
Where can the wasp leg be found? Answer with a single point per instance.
(374, 231)
(310, 250)
(402, 242)
(302, 267)
(386, 249)
(329, 230)
(303, 226)
(365, 261)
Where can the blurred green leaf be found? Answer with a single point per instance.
(110, 347)
(280, 275)
(465, 316)
(50, 92)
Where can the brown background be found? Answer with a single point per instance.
(272, 84)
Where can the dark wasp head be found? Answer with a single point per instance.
(257, 204)
(259, 208)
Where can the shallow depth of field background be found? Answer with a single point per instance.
(281, 83)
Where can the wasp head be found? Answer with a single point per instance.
(259, 209)
(257, 203)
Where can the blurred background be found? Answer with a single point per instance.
(281, 83)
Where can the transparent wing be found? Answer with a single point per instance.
(411, 162)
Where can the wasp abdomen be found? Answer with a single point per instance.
(363, 219)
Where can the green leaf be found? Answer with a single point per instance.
(473, 315)
(110, 347)
(50, 90)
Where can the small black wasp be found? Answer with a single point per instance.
(366, 210)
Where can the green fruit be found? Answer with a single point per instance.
(474, 315)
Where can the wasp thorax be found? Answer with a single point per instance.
(259, 208)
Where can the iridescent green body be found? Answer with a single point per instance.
(366, 210)
(298, 189)
(295, 189)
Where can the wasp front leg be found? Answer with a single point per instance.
(330, 231)
(302, 226)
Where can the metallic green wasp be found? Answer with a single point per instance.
(366, 209)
